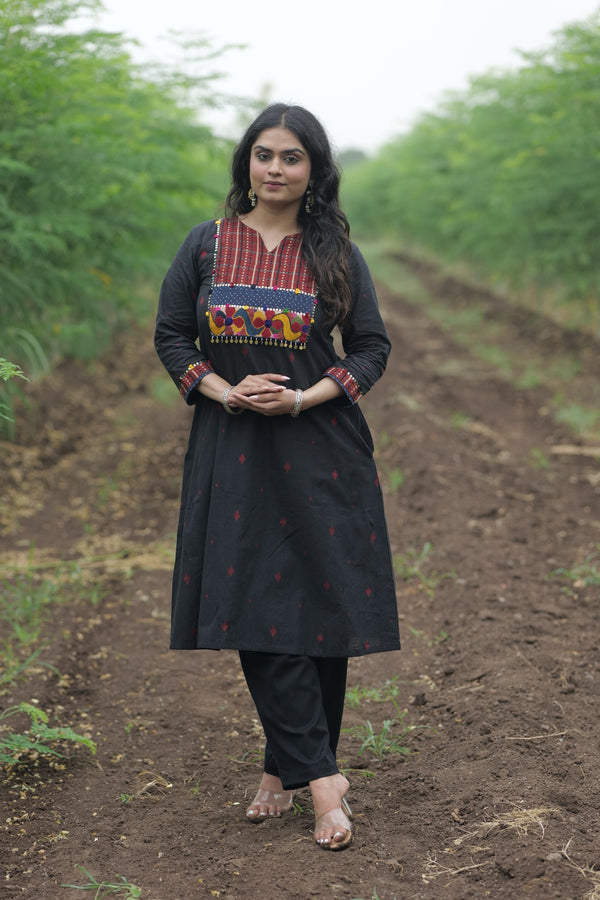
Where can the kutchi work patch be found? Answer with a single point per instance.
(260, 297)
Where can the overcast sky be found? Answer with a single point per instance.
(366, 69)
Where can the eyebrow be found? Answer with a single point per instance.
(290, 150)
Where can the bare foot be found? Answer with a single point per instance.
(270, 800)
(333, 828)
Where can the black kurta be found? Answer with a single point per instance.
(282, 543)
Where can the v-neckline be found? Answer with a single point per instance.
(294, 234)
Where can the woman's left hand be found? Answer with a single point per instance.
(276, 403)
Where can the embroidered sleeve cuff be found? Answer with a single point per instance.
(347, 381)
(192, 376)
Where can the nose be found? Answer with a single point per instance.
(275, 165)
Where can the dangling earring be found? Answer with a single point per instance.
(310, 198)
(252, 198)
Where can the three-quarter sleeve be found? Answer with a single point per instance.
(364, 338)
(176, 331)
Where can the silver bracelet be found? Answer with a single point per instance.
(297, 404)
(226, 406)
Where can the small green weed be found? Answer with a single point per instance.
(388, 691)
(530, 377)
(440, 638)
(538, 458)
(460, 420)
(37, 737)
(395, 479)
(583, 575)
(107, 888)
(409, 566)
(26, 601)
(580, 419)
(388, 740)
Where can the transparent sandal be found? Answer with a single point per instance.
(339, 820)
(276, 802)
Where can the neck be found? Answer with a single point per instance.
(272, 219)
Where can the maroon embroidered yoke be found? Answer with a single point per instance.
(282, 543)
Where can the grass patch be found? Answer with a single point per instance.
(431, 640)
(579, 418)
(27, 600)
(387, 691)
(582, 576)
(410, 566)
(391, 739)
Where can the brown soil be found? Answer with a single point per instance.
(499, 794)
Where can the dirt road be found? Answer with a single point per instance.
(499, 672)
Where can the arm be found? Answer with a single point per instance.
(364, 339)
(176, 329)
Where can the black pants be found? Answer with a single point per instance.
(300, 702)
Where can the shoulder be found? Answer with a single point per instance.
(357, 264)
(202, 233)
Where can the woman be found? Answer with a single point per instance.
(282, 548)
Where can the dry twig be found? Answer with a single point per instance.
(588, 872)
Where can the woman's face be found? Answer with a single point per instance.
(279, 168)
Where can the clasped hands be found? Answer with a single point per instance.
(266, 394)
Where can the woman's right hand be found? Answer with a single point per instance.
(256, 386)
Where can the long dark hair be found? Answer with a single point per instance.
(326, 233)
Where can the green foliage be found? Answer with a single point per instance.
(409, 567)
(8, 371)
(390, 740)
(584, 575)
(387, 691)
(538, 458)
(37, 737)
(581, 419)
(26, 603)
(504, 176)
(107, 888)
(431, 640)
(104, 166)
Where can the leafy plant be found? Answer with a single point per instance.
(581, 419)
(26, 601)
(538, 458)
(388, 740)
(107, 888)
(387, 691)
(583, 575)
(440, 638)
(409, 566)
(483, 178)
(102, 161)
(8, 371)
(37, 738)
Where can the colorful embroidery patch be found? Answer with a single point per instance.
(257, 296)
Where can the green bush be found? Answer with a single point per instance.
(103, 167)
(504, 175)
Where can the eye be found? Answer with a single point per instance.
(262, 156)
(290, 160)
